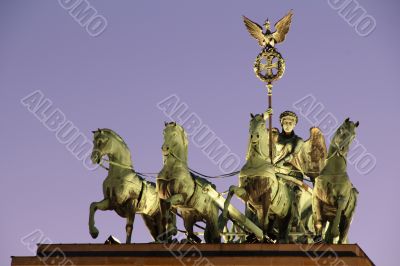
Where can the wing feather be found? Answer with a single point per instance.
(254, 29)
(282, 27)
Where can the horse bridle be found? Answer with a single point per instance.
(338, 152)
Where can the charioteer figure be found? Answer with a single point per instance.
(287, 147)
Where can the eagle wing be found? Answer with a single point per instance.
(282, 27)
(254, 29)
(313, 154)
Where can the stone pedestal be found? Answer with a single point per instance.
(196, 254)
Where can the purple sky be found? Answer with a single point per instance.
(201, 52)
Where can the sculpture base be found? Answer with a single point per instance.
(196, 254)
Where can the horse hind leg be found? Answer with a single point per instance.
(343, 230)
(167, 221)
(264, 216)
(284, 229)
(211, 234)
(346, 221)
(344, 227)
(328, 237)
(189, 220)
(153, 225)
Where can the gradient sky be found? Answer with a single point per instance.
(201, 52)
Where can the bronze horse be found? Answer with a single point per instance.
(179, 189)
(268, 197)
(334, 197)
(124, 191)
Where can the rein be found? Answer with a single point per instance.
(151, 175)
(200, 174)
(337, 152)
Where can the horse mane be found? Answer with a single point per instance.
(345, 148)
(185, 140)
(115, 135)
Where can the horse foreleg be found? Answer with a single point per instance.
(341, 202)
(188, 222)
(317, 217)
(130, 218)
(94, 206)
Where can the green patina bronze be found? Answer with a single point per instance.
(124, 191)
(278, 204)
(334, 196)
(179, 189)
(269, 196)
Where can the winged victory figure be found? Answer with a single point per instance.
(311, 157)
(269, 38)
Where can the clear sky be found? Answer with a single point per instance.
(113, 71)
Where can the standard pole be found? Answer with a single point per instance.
(269, 88)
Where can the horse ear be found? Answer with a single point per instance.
(357, 124)
(251, 115)
(174, 124)
(347, 120)
(165, 123)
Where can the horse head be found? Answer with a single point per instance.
(175, 141)
(344, 136)
(107, 142)
(258, 139)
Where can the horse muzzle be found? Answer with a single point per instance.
(165, 150)
(95, 157)
(254, 138)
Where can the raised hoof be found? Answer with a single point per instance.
(94, 232)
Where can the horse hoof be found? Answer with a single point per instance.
(251, 238)
(318, 239)
(94, 232)
(283, 241)
(302, 240)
